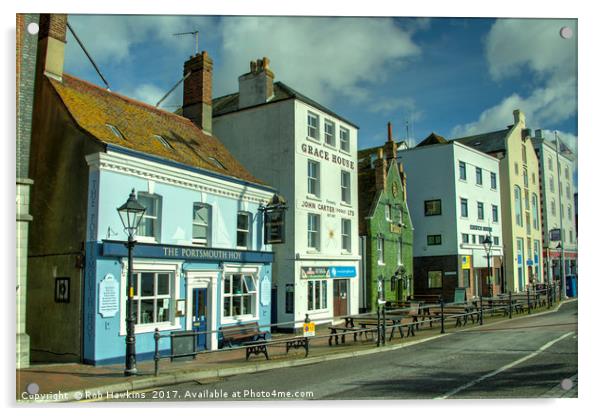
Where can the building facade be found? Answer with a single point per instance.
(557, 199)
(454, 199)
(385, 227)
(199, 262)
(27, 44)
(309, 154)
(520, 201)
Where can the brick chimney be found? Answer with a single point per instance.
(52, 39)
(257, 86)
(390, 145)
(380, 170)
(197, 105)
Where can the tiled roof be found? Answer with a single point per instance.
(180, 140)
(487, 142)
(432, 139)
(229, 103)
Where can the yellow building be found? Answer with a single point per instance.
(520, 202)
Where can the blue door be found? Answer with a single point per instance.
(199, 316)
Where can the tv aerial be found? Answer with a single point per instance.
(196, 37)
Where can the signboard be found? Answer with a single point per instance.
(266, 291)
(314, 272)
(519, 259)
(529, 262)
(465, 262)
(309, 329)
(480, 228)
(274, 226)
(342, 271)
(460, 295)
(555, 234)
(450, 273)
(184, 343)
(108, 296)
(395, 228)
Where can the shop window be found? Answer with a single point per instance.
(434, 279)
(201, 224)
(150, 226)
(240, 295)
(153, 302)
(243, 230)
(317, 294)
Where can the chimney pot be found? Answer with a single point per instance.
(257, 86)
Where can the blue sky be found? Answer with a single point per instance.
(453, 76)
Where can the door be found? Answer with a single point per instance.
(340, 287)
(199, 316)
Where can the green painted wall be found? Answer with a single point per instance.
(379, 225)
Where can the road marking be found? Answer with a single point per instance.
(504, 368)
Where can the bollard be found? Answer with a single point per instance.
(528, 302)
(384, 325)
(442, 316)
(378, 325)
(510, 304)
(548, 296)
(481, 312)
(157, 336)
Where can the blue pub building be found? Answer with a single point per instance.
(200, 261)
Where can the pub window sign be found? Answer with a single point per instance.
(62, 289)
(274, 219)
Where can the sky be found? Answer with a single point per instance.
(451, 76)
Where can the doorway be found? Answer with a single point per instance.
(340, 298)
(199, 316)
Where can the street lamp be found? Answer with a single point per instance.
(131, 214)
(487, 245)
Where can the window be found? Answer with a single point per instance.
(464, 207)
(524, 154)
(571, 236)
(569, 213)
(434, 279)
(566, 173)
(115, 131)
(479, 173)
(535, 211)
(551, 182)
(528, 222)
(150, 225)
(217, 163)
(465, 277)
(494, 213)
(163, 141)
(529, 249)
(480, 211)
(317, 294)
(496, 241)
(463, 171)
(516, 168)
(553, 206)
(433, 240)
(388, 212)
(201, 224)
(240, 295)
(313, 177)
(313, 130)
(432, 207)
(152, 297)
(400, 216)
(474, 239)
(493, 180)
(481, 239)
(346, 186)
(568, 190)
(533, 178)
(329, 133)
(313, 231)
(465, 238)
(525, 178)
(550, 164)
(527, 199)
(399, 252)
(380, 250)
(243, 230)
(344, 138)
(346, 235)
(518, 207)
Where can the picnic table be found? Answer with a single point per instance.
(362, 324)
(459, 311)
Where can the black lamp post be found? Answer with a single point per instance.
(487, 245)
(131, 214)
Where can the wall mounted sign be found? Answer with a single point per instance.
(62, 287)
(329, 209)
(465, 262)
(335, 272)
(320, 153)
(395, 228)
(314, 272)
(108, 296)
(339, 272)
(266, 291)
(480, 228)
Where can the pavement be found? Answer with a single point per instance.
(79, 382)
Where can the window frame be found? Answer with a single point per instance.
(433, 203)
(252, 294)
(311, 127)
(345, 188)
(345, 137)
(346, 235)
(315, 180)
(248, 231)
(209, 228)
(462, 170)
(315, 233)
(434, 240)
(330, 123)
(157, 200)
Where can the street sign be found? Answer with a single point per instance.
(309, 329)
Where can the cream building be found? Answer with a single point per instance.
(520, 201)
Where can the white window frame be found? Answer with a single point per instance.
(345, 137)
(152, 266)
(158, 201)
(311, 128)
(380, 250)
(495, 213)
(480, 211)
(493, 178)
(463, 203)
(346, 235)
(346, 187)
(518, 206)
(332, 135)
(478, 176)
(462, 170)
(388, 212)
(399, 252)
(313, 180)
(198, 223)
(231, 269)
(246, 292)
(248, 231)
(313, 232)
(311, 286)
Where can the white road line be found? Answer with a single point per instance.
(504, 368)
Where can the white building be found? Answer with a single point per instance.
(309, 154)
(454, 200)
(557, 197)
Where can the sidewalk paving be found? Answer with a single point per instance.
(72, 381)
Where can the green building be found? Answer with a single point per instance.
(385, 226)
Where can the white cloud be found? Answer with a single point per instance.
(147, 93)
(322, 57)
(516, 46)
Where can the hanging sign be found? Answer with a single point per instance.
(274, 226)
(108, 296)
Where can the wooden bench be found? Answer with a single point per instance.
(247, 332)
(461, 313)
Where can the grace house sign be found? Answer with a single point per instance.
(108, 296)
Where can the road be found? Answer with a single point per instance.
(519, 358)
